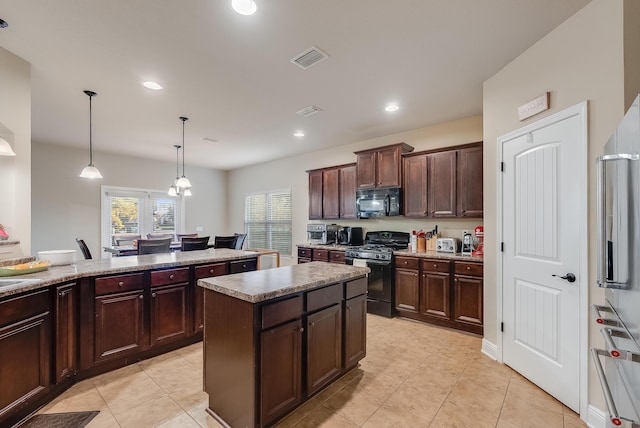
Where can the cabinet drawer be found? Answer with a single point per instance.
(408, 262)
(216, 269)
(320, 255)
(355, 288)
(243, 265)
(434, 265)
(304, 253)
(114, 284)
(323, 297)
(169, 276)
(466, 268)
(336, 256)
(282, 311)
(22, 307)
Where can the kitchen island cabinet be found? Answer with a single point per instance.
(275, 338)
(72, 322)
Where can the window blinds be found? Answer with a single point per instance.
(267, 221)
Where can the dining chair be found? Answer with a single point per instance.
(85, 250)
(160, 236)
(225, 242)
(126, 239)
(154, 246)
(240, 237)
(194, 243)
(179, 236)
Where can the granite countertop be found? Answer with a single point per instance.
(261, 285)
(88, 268)
(436, 255)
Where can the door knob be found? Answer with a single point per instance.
(568, 277)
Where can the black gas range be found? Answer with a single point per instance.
(377, 254)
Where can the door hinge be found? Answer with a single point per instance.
(502, 247)
(502, 166)
(502, 327)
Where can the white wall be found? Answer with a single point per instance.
(580, 60)
(15, 172)
(291, 173)
(66, 206)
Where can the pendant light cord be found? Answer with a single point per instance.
(183, 119)
(90, 94)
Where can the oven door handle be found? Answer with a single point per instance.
(373, 262)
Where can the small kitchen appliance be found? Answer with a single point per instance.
(377, 255)
(350, 235)
(478, 251)
(447, 245)
(467, 244)
(322, 234)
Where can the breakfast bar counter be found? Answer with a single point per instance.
(274, 338)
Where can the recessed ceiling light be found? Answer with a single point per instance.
(298, 134)
(392, 107)
(244, 7)
(152, 85)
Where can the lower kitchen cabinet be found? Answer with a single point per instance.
(280, 370)
(25, 351)
(205, 271)
(304, 254)
(439, 291)
(324, 347)
(355, 330)
(169, 316)
(337, 256)
(66, 333)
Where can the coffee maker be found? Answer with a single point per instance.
(350, 236)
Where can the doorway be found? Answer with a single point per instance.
(543, 277)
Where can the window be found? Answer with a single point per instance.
(267, 221)
(128, 212)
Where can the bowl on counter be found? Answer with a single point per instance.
(58, 257)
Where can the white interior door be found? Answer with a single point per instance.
(542, 217)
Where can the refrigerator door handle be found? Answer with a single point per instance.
(613, 228)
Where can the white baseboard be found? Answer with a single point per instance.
(596, 418)
(489, 349)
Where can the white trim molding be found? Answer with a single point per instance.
(489, 349)
(596, 418)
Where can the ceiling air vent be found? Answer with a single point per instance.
(311, 56)
(308, 111)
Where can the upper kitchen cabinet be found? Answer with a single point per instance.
(470, 182)
(332, 192)
(444, 183)
(380, 167)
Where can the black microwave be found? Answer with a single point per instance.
(372, 203)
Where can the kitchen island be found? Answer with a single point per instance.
(274, 338)
(75, 321)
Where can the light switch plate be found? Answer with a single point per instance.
(199, 228)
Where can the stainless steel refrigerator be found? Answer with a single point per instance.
(618, 199)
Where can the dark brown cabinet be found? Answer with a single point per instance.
(120, 325)
(320, 255)
(441, 184)
(304, 255)
(337, 256)
(348, 191)
(444, 183)
(467, 293)
(332, 192)
(169, 316)
(355, 330)
(470, 182)
(280, 370)
(247, 265)
(315, 195)
(66, 339)
(380, 167)
(25, 351)
(204, 271)
(324, 347)
(440, 291)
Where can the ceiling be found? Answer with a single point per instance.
(231, 74)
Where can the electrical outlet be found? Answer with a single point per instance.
(199, 228)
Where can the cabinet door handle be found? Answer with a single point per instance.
(415, 274)
(121, 283)
(435, 265)
(172, 276)
(141, 297)
(153, 294)
(468, 267)
(211, 271)
(301, 329)
(463, 211)
(312, 324)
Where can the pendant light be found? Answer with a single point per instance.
(5, 148)
(183, 182)
(173, 190)
(244, 7)
(90, 171)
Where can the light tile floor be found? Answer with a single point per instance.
(414, 375)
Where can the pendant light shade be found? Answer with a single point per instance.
(183, 182)
(90, 171)
(5, 148)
